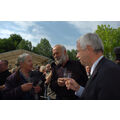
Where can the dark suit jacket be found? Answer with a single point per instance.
(104, 84)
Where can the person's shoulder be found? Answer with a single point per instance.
(12, 76)
(74, 62)
(53, 65)
(108, 72)
(110, 64)
(8, 73)
(109, 67)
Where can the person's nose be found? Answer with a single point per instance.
(77, 56)
(55, 56)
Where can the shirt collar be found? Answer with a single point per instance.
(24, 77)
(95, 64)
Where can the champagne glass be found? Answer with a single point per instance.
(67, 74)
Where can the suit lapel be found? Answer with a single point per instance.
(97, 68)
(93, 75)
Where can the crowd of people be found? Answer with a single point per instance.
(91, 77)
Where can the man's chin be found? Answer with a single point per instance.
(83, 63)
(57, 63)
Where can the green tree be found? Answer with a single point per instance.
(7, 44)
(43, 48)
(15, 39)
(25, 44)
(110, 38)
(72, 54)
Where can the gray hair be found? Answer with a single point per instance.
(42, 68)
(93, 40)
(21, 58)
(63, 47)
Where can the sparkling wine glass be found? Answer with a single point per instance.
(67, 74)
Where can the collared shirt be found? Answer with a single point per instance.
(24, 77)
(95, 64)
(80, 91)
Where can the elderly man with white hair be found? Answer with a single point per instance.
(104, 82)
(18, 86)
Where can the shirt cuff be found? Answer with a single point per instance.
(80, 91)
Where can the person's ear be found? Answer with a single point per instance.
(21, 64)
(89, 48)
(65, 52)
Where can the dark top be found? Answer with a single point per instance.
(3, 77)
(38, 78)
(104, 83)
(118, 63)
(13, 89)
(78, 73)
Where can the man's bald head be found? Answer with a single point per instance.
(60, 47)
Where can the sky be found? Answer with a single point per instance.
(57, 32)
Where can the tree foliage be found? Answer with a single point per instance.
(15, 39)
(110, 38)
(25, 44)
(11, 43)
(43, 48)
(72, 54)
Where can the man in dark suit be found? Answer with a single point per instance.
(104, 83)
